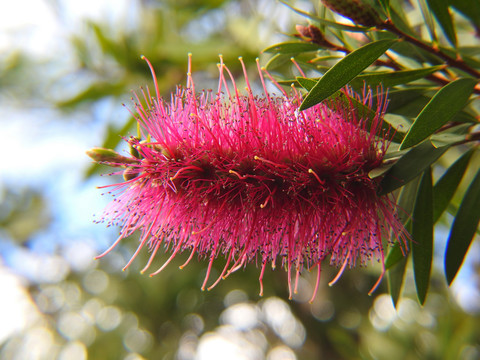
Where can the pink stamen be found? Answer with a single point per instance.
(260, 279)
(297, 66)
(152, 256)
(177, 249)
(270, 162)
(122, 235)
(375, 286)
(317, 282)
(342, 269)
(191, 255)
(184, 169)
(155, 82)
(310, 171)
(241, 177)
(223, 271)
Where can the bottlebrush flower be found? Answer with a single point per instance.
(253, 179)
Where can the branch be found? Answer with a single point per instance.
(457, 63)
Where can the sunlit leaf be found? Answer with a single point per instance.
(463, 229)
(345, 70)
(392, 78)
(466, 8)
(428, 20)
(444, 105)
(294, 47)
(422, 235)
(328, 22)
(440, 10)
(277, 61)
(445, 139)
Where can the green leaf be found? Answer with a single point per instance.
(440, 10)
(422, 235)
(293, 47)
(409, 166)
(328, 22)
(390, 79)
(463, 229)
(405, 203)
(345, 70)
(385, 5)
(394, 256)
(449, 100)
(466, 8)
(428, 20)
(446, 139)
(397, 258)
(446, 186)
(306, 83)
(278, 60)
(395, 277)
(94, 92)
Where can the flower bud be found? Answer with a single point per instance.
(130, 173)
(109, 157)
(311, 33)
(133, 151)
(359, 12)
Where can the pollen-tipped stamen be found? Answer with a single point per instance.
(317, 282)
(340, 272)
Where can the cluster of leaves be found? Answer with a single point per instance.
(432, 83)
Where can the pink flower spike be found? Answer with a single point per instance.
(252, 178)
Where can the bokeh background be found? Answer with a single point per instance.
(66, 68)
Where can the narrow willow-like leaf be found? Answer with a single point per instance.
(449, 100)
(396, 260)
(345, 70)
(325, 58)
(466, 8)
(422, 236)
(394, 256)
(395, 277)
(447, 185)
(328, 22)
(463, 229)
(406, 202)
(94, 92)
(306, 83)
(410, 166)
(446, 139)
(385, 5)
(428, 20)
(389, 79)
(278, 60)
(440, 10)
(293, 47)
